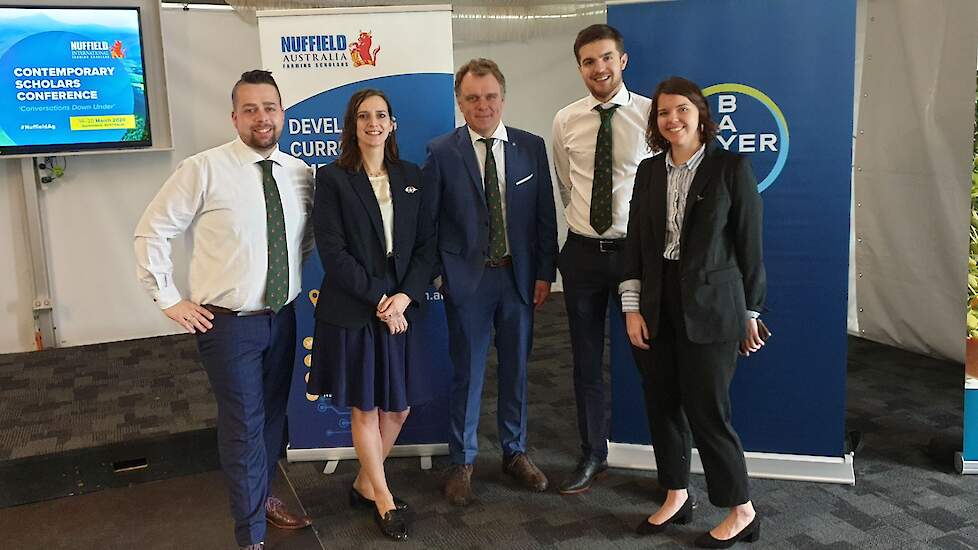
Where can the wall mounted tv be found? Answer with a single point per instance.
(71, 79)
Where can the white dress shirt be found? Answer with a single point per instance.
(499, 155)
(575, 137)
(382, 191)
(217, 198)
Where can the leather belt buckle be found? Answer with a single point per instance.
(605, 245)
(218, 310)
(505, 261)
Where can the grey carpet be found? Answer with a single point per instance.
(83, 397)
(91, 396)
(903, 498)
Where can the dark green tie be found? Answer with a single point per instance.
(494, 202)
(277, 283)
(601, 184)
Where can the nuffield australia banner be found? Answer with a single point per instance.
(779, 80)
(319, 58)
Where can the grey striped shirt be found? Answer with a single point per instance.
(679, 179)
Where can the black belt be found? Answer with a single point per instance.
(218, 310)
(505, 261)
(601, 245)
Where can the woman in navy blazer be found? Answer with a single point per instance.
(376, 241)
(694, 286)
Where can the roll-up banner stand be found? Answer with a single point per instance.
(779, 79)
(319, 58)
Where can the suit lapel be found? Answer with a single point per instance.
(704, 175)
(363, 189)
(401, 216)
(657, 192)
(467, 151)
(512, 160)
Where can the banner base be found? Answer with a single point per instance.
(965, 466)
(822, 469)
(346, 453)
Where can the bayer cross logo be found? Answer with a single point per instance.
(751, 123)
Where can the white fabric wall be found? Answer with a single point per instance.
(912, 173)
(91, 212)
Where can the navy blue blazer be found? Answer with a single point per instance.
(350, 240)
(451, 176)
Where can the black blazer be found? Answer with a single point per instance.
(721, 265)
(350, 240)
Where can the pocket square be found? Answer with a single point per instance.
(524, 179)
(410, 189)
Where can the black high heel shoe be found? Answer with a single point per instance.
(392, 524)
(361, 502)
(682, 516)
(751, 533)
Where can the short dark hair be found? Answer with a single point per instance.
(677, 85)
(480, 67)
(596, 32)
(256, 76)
(350, 157)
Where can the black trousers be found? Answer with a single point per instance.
(591, 272)
(687, 392)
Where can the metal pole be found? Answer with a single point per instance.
(44, 329)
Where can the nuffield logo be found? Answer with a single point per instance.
(751, 123)
(314, 51)
(361, 50)
(96, 49)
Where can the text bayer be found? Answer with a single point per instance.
(746, 143)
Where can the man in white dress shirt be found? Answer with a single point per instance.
(244, 205)
(597, 143)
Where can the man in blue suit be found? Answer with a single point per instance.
(497, 243)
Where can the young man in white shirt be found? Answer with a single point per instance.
(598, 142)
(245, 206)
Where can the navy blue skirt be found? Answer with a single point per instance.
(366, 367)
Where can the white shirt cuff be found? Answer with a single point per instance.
(167, 297)
(630, 284)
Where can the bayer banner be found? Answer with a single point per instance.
(319, 59)
(779, 79)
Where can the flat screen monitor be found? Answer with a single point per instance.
(71, 79)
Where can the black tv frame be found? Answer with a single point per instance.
(41, 150)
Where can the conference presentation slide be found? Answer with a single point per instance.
(71, 77)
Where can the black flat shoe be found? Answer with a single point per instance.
(363, 503)
(392, 524)
(751, 533)
(682, 516)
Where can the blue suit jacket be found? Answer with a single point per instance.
(455, 191)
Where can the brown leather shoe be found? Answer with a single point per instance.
(523, 470)
(279, 516)
(458, 484)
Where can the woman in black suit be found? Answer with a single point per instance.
(376, 243)
(694, 285)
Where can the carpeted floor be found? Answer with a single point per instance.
(96, 395)
(903, 498)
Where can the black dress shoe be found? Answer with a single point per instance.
(751, 533)
(682, 516)
(363, 503)
(392, 524)
(580, 480)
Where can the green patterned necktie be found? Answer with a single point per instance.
(494, 202)
(277, 282)
(601, 184)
